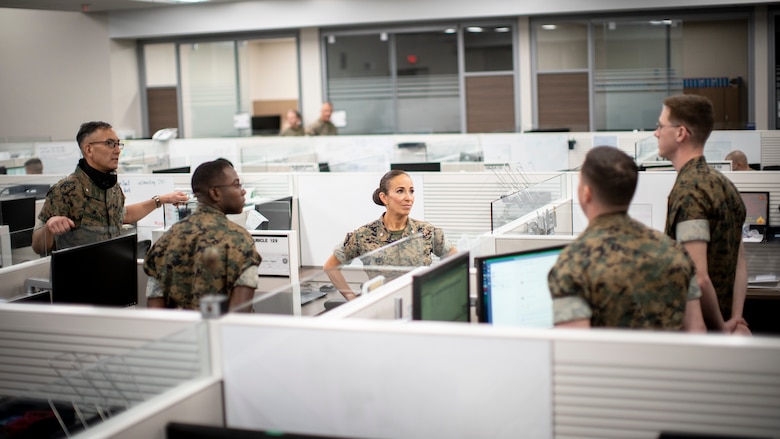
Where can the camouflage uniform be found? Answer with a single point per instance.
(98, 213)
(422, 240)
(290, 131)
(180, 264)
(620, 273)
(322, 128)
(704, 205)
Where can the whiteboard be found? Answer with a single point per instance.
(58, 157)
(537, 152)
(361, 378)
(648, 206)
(142, 187)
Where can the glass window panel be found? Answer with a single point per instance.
(209, 89)
(160, 64)
(488, 48)
(561, 46)
(637, 65)
(428, 85)
(359, 82)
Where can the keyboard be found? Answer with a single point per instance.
(308, 296)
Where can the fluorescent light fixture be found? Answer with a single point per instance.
(475, 29)
(501, 29)
(549, 27)
(661, 22)
(449, 31)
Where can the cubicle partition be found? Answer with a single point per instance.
(359, 378)
(89, 365)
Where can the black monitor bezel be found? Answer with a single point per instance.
(446, 263)
(761, 227)
(20, 231)
(85, 293)
(289, 223)
(479, 263)
(416, 166)
(177, 170)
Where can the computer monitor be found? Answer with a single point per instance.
(417, 166)
(278, 213)
(265, 125)
(756, 210)
(103, 273)
(513, 290)
(179, 170)
(18, 213)
(442, 291)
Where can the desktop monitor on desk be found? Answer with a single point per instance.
(513, 290)
(277, 212)
(416, 166)
(103, 273)
(756, 210)
(18, 213)
(442, 292)
(178, 170)
(266, 125)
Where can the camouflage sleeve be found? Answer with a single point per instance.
(569, 302)
(248, 278)
(153, 289)
(694, 292)
(570, 308)
(693, 230)
(440, 244)
(55, 204)
(348, 249)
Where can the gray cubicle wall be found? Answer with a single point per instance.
(422, 379)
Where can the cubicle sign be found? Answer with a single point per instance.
(275, 251)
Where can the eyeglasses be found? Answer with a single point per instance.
(110, 143)
(235, 184)
(659, 126)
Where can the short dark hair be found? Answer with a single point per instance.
(612, 174)
(33, 161)
(693, 111)
(384, 185)
(88, 128)
(208, 174)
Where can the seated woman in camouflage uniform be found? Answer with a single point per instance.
(413, 241)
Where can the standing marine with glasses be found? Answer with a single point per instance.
(705, 212)
(88, 206)
(205, 253)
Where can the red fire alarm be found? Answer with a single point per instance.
(411, 59)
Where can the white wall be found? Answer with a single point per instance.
(284, 14)
(273, 69)
(60, 69)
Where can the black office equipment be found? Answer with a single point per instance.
(512, 287)
(102, 273)
(278, 212)
(37, 297)
(178, 430)
(442, 292)
(266, 125)
(417, 166)
(18, 213)
(39, 191)
(179, 170)
(324, 166)
(756, 210)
